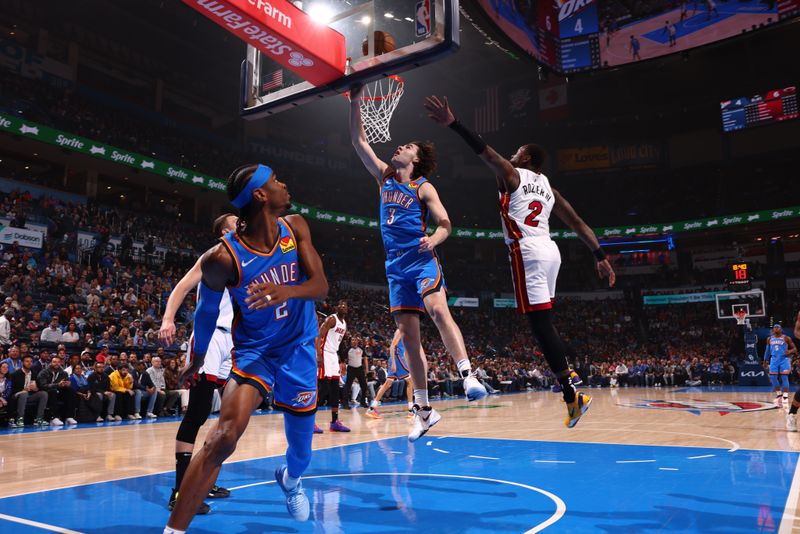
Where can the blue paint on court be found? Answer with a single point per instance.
(393, 486)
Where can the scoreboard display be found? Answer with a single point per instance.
(774, 106)
(739, 276)
(578, 30)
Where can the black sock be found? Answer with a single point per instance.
(568, 390)
(182, 460)
(334, 416)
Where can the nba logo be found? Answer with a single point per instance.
(423, 11)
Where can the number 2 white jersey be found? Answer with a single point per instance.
(526, 212)
(534, 257)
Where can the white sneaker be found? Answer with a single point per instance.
(71, 421)
(474, 389)
(778, 401)
(99, 420)
(151, 415)
(424, 419)
(117, 418)
(56, 422)
(137, 416)
(130, 417)
(791, 422)
(109, 418)
(296, 500)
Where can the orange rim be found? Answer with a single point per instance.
(394, 77)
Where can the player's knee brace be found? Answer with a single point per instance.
(541, 322)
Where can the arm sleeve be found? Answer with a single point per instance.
(205, 317)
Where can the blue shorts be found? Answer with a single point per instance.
(401, 369)
(412, 276)
(290, 375)
(780, 366)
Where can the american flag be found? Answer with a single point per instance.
(273, 80)
(487, 116)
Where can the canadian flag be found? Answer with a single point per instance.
(553, 100)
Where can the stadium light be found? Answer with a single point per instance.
(320, 13)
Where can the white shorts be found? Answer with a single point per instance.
(534, 270)
(217, 364)
(331, 364)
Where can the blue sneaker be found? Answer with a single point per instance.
(296, 500)
(474, 389)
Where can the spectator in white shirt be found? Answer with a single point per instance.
(5, 327)
(71, 335)
(51, 334)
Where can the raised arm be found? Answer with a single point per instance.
(564, 211)
(506, 175)
(375, 166)
(429, 197)
(189, 281)
(315, 287)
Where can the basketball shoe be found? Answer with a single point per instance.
(317, 430)
(337, 426)
(296, 500)
(778, 401)
(424, 419)
(474, 389)
(373, 413)
(577, 408)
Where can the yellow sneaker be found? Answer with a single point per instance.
(577, 408)
(373, 413)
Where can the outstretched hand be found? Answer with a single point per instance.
(439, 111)
(604, 270)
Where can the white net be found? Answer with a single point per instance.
(378, 102)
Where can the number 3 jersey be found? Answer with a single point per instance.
(274, 327)
(404, 217)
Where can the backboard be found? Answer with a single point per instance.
(752, 302)
(423, 31)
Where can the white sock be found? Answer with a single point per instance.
(785, 395)
(289, 482)
(170, 530)
(374, 403)
(464, 368)
(410, 405)
(421, 397)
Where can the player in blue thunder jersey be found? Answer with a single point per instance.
(778, 351)
(413, 271)
(398, 370)
(273, 274)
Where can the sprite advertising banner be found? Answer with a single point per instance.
(17, 126)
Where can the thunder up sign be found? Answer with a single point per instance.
(16, 126)
(283, 33)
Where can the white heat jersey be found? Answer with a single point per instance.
(217, 363)
(330, 348)
(526, 212)
(534, 256)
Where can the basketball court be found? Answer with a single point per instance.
(642, 460)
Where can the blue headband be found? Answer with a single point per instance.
(258, 179)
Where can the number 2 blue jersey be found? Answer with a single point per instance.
(275, 327)
(776, 348)
(404, 217)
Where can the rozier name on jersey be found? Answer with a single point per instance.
(282, 274)
(397, 197)
(536, 189)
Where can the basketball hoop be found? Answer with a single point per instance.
(378, 102)
(740, 316)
